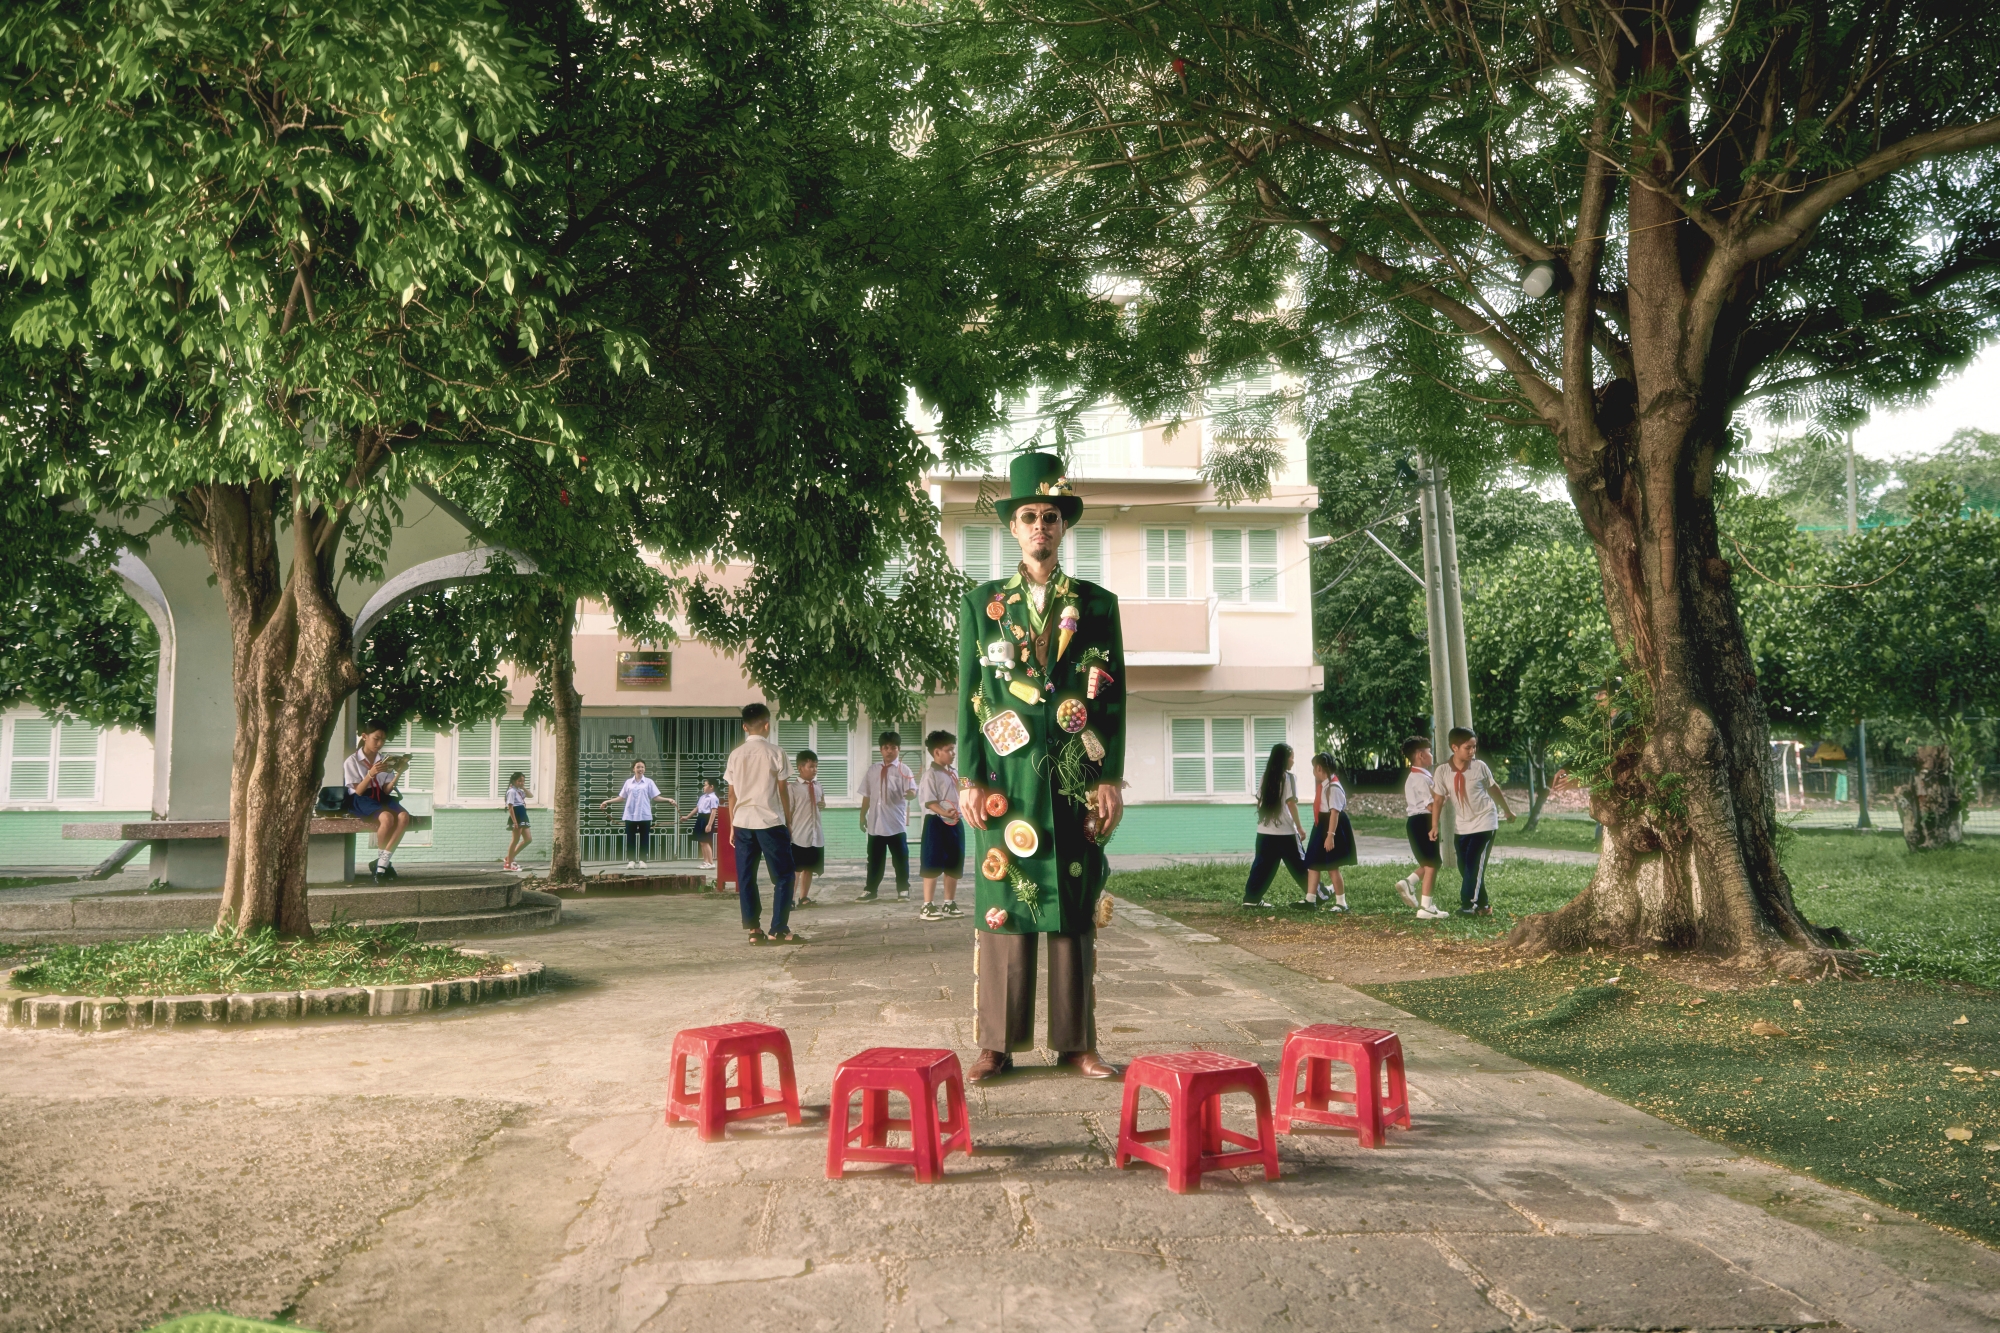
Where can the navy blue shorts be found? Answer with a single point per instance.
(1422, 845)
(367, 807)
(944, 847)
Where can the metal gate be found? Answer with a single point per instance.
(693, 748)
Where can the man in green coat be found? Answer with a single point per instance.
(1041, 717)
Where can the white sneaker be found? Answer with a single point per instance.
(1404, 887)
(631, 865)
(642, 865)
(1431, 914)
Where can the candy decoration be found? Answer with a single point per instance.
(995, 864)
(996, 918)
(996, 610)
(1072, 716)
(996, 806)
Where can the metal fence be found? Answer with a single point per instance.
(695, 748)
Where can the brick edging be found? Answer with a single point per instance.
(109, 1013)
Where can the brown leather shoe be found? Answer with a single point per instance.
(988, 1065)
(1088, 1063)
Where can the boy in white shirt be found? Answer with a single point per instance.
(1468, 784)
(886, 789)
(808, 837)
(943, 853)
(760, 824)
(1417, 799)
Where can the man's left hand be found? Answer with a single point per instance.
(1110, 808)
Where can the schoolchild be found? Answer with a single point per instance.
(518, 833)
(1331, 843)
(703, 816)
(372, 778)
(640, 794)
(1417, 798)
(1278, 828)
(943, 855)
(808, 835)
(1476, 804)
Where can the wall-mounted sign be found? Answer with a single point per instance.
(646, 670)
(623, 744)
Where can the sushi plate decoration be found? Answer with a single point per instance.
(1021, 838)
(1005, 731)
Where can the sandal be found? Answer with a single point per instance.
(758, 937)
(786, 938)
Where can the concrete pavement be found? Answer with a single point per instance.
(506, 1168)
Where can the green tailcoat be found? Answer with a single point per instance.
(1054, 889)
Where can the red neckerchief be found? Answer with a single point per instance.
(1458, 777)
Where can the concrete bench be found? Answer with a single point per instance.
(329, 846)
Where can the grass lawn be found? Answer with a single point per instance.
(203, 963)
(1860, 1091)
(1575, 835)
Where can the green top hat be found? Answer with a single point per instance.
(1039, 477)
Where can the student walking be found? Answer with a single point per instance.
(1468, 784)
(760, 824)
(518, 833)
(885, 817)
(1278, 828)
(640, 794)
(943, 854)
(1331, 843)
(808, 798)
(703, 816)
(1417, 801)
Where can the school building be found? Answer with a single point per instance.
(1217, 611)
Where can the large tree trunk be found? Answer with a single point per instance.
(1930, 803)
(1690, 855)
(566, 849)
(292, 665)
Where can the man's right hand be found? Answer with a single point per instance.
(972, 804)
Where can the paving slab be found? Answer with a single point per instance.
(507, 1167)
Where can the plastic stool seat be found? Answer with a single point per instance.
(1371, 1053)
(917, 1074)
(1193, 1083)
(747, 1044)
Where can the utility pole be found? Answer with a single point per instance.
(1861, 724)
(1451, 682)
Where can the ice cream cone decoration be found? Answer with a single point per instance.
(1066, 628)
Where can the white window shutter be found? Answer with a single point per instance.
(1262, 572)
(517, 752)
(1156, 562)
(834, 739)
(475, 764)
(1190, 741)
(1225, 560)
(1085, 556)
(31, 762)
(1010, 555)
(1268, 731)
(1177, 563)
(1230, 762)
(76, 766)
(420, 743)
(976, 553)
(794, 736)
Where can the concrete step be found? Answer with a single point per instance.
(534, 911)
(106, 916)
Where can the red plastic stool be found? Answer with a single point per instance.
(746, 1044)
(917, 1074)
(1193, 1082)
(1368, 1051)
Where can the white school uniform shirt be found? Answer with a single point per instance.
(1417, 792)
(806, 796)
(1331, 798)
(1280, 819)
(1471, 800)
(888, 788)
(356, 769)
(754, 770)
(940, 786)
(638, 794)
(708, 803)
(518, 798)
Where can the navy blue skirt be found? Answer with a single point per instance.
(1342, 852)
(369, 806)
(944, 847)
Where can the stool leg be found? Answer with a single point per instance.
(1319, 1083)
(1128, 1121)
(1184, 1142)
(788, 1083)
(874, 1117)
(1211, 1125)
(677, 1086)
(750, 1080)
(1368, 1099)
(1288, 1077)
(1399, 1088)
(926, 1149)
(1267, 1137)
(838, 1129)
(958, 1125)
(714, 1097)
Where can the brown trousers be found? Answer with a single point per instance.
(1004, 991)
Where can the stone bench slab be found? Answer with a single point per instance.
(177, 830)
